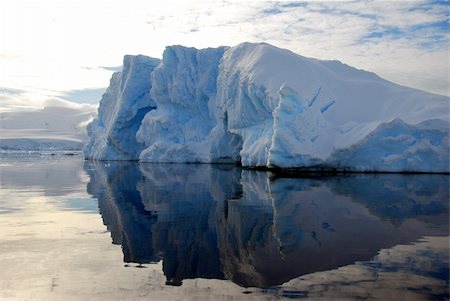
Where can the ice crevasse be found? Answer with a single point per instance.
(262, 106)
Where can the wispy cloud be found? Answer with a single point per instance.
(106, 68)
(111, 68)
(92, 95)
(16, 101)
(46, 45)
(11, 91)
(403, 41)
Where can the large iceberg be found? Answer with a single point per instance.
(262, 106)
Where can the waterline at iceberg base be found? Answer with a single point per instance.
(262, 106)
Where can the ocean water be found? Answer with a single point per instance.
(77, 230)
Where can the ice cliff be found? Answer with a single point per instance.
(126, 101)
(259, 105)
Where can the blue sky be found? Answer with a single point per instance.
(69, 49)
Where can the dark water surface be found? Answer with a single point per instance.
(217, 232)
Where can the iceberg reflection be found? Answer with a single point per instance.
(256, 228)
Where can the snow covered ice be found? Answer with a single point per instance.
(262, 106)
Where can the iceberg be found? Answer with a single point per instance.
(261, 106)
(123, 106)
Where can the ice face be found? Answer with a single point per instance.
(122, 108)
(259, 105)
(184, 90)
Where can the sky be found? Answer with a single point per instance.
(63, 49)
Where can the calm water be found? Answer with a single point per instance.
(75, 230)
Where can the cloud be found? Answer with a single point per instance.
(293, 4)
(11, 91)
(16, 102)
(56, 102)
(111, 68)
(18, 99)
(403, 41)
(91, 95)
(106, 68)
